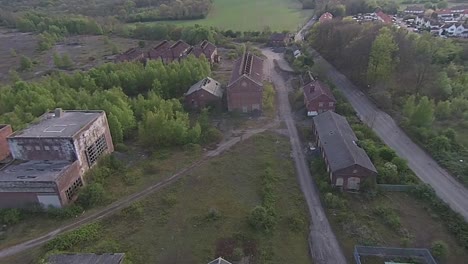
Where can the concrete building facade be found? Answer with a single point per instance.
(51, 157)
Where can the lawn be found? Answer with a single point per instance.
(205, 214)
(246, 15)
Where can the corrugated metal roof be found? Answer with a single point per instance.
(87, 258)
(339, 142)
(208, 84)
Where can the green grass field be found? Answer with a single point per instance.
(176, 225)
(245, 15)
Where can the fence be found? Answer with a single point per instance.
(394, 187)
(420, 253)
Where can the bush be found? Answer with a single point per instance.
(439, 249)
(91, 195)
(10, 216)
(386, 153)
(64, 213)
(79, 236)
(333, 201)
(25, 63)
(388, 216)
(262, 219)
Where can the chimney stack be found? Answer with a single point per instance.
(58, 112)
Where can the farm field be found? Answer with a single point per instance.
(254, 15)
(205, 214)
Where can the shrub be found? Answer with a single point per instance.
(91, 195)
(388, 216)
(213, 214)
(25, 63)
(79, 236)
(333, 201)
(387, 153)
(439, 249)
(66, 212)
(262, 219)
(10, 216)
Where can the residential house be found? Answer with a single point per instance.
(169, 53)
(445, 15)
(325, 17)
(219, 260)
(206, 92)
(132, 54)
(5, 131)
(414, 10)
(459, 9)
(347, 164)
(206, 48)
(87, 258)
(245, 89)
(318, 97)
(279, 39)
(452, 29)
(51, 157)
(384, 18)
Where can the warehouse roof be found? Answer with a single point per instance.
(34, 171)
(59, 124)
(208, 84)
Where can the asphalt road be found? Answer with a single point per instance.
(426, 168)
(126, 201)
(323, 244)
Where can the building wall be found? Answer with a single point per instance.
(65, 180)
(5, 131)
(42, 148)
(201, 99)
(353, 171)
(87, 136)
(244, 94)
(17, 199)
(314, 105)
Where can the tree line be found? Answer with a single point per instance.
(419, 78)
(135, 97)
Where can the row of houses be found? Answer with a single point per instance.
(449, 29)
(169, 52)
(376, 16)
(50, 157)
(347, 164)
(453, 12)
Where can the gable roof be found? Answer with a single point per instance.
(339, 142)
(384, 17)
(208, 84)
(85, 258)
(415, 8)
(157, 51)
(205, 47)
(325, 17)
(130, 54)
(219, 260)
(249, 66)
(178, 48)
(314, 89)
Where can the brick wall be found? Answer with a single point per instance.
(5, 131)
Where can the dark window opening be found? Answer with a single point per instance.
(94, 151)
(73, 188)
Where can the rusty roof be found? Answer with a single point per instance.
(34, 171)
(159, 49)
(314, 89)
(249, 66)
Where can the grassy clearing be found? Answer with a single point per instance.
(206, 214)
(253, 15)
(143, 172)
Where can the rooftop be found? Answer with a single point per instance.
(107, 258)
(34, 171)
(315, 89)
(208, 84)
(340, 143)
(219, 260)
(248, 65)
(65, 126)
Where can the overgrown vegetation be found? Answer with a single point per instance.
(419, 78)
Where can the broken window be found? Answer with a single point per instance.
(73, 188)
(94, 151)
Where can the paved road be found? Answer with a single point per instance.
(119, 205)
(323, 244)
(426, 168)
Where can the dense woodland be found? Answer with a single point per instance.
(124, 10)
(421, 79)
(133, 96)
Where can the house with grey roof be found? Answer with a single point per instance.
(87, 258)
(347, 163)
(219, 260)
(207, 92)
